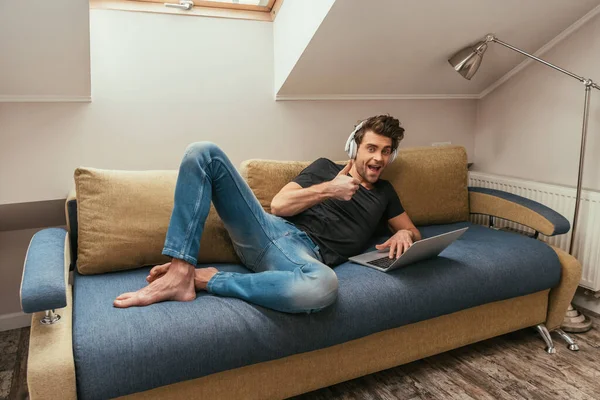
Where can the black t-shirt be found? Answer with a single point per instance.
(341, 228)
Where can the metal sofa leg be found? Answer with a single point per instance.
(50, 318)
(571, 345)
(547, 338)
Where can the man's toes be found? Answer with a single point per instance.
(157, 272)
(125, 295)
(124, 303)
(160, 269)
(132, 301)
(152, 278)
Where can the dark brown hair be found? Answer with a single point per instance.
(384, 125)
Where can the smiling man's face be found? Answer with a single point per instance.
(373, 156)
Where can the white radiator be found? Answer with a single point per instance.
(562, 200)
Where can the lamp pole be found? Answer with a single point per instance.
(586, 112)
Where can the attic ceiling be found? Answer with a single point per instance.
(401, 47)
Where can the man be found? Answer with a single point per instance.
(327, 214)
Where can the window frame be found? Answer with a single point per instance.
(201, 8)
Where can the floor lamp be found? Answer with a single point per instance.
(466, 62)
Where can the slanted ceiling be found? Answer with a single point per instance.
(399, 48)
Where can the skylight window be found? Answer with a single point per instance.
(248, 5)
(261, 10)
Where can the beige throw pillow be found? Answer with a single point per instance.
(123, 217)
(431, 183)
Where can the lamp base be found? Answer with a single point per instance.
(575, 321)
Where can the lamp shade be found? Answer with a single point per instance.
(467, 61)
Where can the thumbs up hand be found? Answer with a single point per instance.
(343, 187)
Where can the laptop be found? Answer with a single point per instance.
(420, 250)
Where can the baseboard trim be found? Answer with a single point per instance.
(14, 321)
(44, 99)
(330, 97)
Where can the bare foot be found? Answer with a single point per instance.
(177, 283)
(202, 276)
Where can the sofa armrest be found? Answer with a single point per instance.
(498, 203)
(45, 272)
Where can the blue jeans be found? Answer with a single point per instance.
(289, 274)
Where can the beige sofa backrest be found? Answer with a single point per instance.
(123, 216)
(431, 182)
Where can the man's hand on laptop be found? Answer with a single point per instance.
(398, 243)
(343, 187)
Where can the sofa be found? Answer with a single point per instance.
(487, 283)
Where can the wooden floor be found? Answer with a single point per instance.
(13, 364)
(513, 366)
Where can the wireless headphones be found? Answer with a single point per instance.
(352, 149)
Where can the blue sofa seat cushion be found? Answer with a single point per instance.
(122, 351)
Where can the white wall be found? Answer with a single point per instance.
(45, 49)
(161, 82)
(530, 127)
(294, 27)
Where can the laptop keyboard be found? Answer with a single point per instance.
(382, 262)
